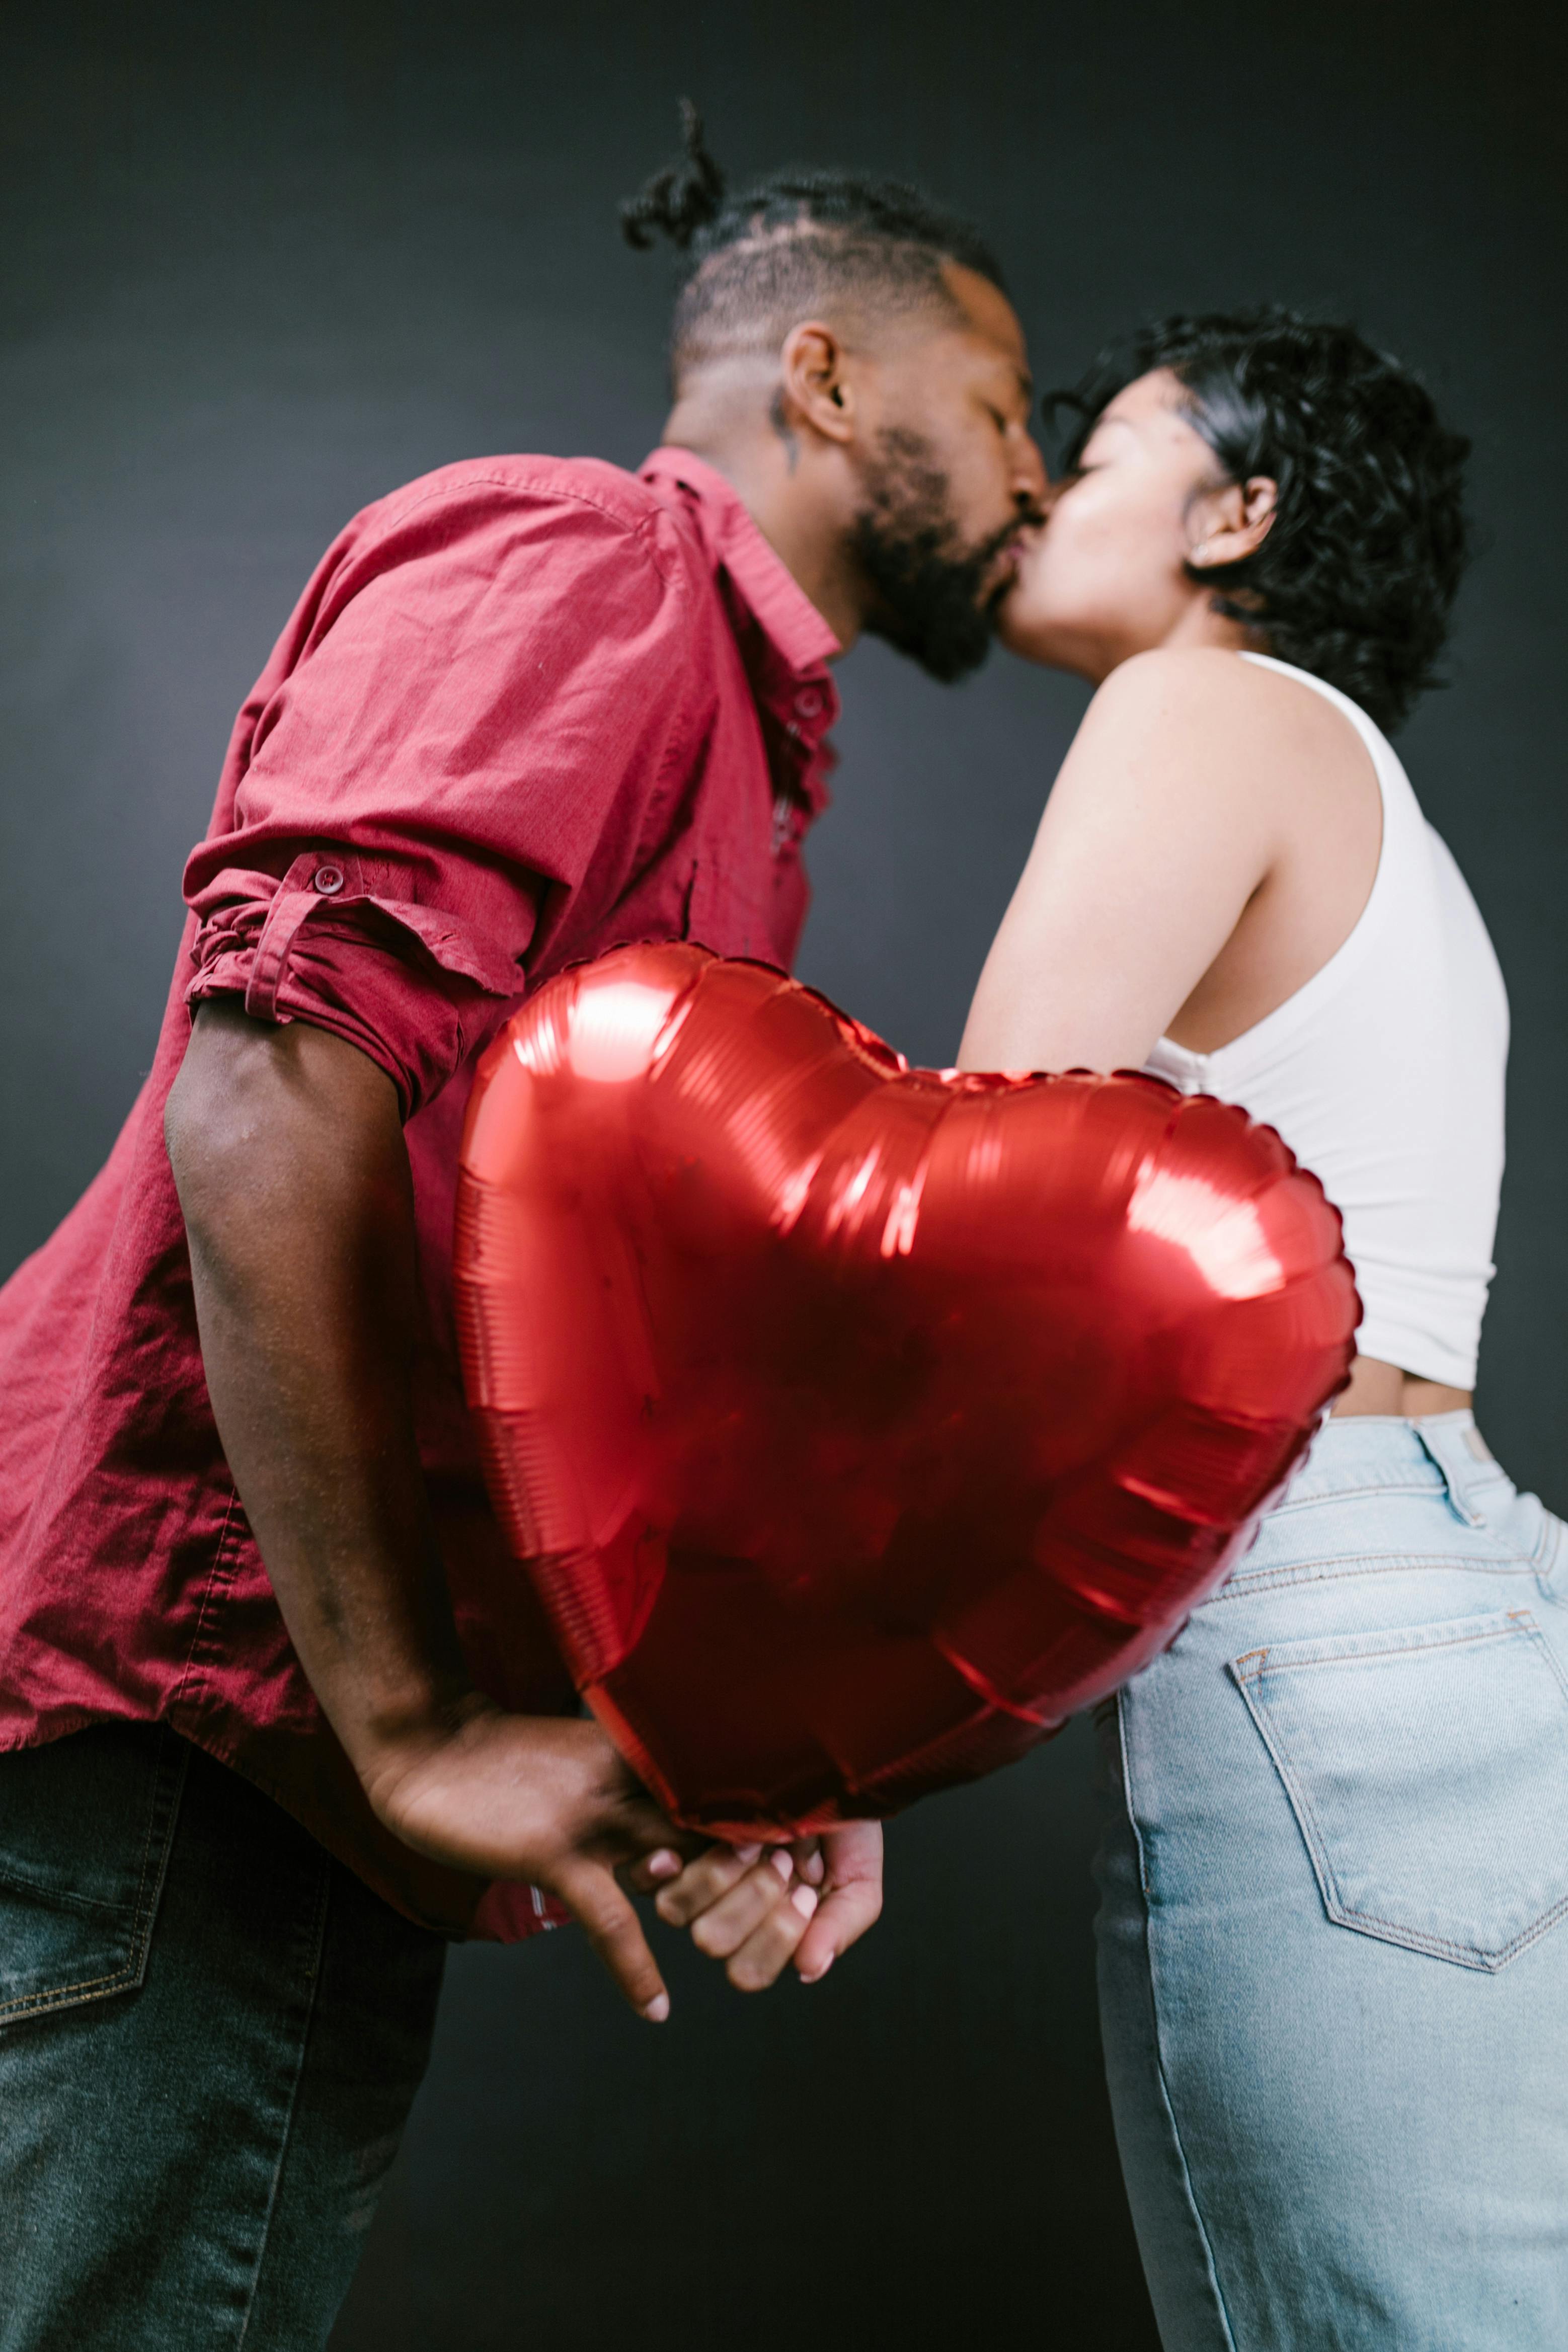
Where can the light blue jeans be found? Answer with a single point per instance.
(1332, 1959)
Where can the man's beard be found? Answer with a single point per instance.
(928, 590)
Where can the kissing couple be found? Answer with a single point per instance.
(276, 1724)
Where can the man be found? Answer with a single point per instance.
(280, 1716)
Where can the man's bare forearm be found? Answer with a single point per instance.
(292, 1173)
(294, 1180)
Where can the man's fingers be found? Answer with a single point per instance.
(766, 1950)
(612, 1926)
(654, 1871)
(702, 1881)
(661, 1852)
(808, 1862)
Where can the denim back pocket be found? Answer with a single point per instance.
(1428, 1768)
(86, 1824)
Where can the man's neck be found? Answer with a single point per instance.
(793, 495)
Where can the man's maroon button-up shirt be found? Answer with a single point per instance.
(527, 708)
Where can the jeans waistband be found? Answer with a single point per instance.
(1444, 1453)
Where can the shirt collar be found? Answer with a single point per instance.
(784, 642)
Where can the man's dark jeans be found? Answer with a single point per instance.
(210, 2036)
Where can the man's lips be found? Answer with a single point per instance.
(1004, 565)
(1014, 541)
(1008, 561)
(1018, 546)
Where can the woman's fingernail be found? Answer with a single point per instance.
(747, 1855)
(779, 1859)
(664, 1864)
(817, 1974)
(804, 1900)
(811, 1869)
(657, 2009)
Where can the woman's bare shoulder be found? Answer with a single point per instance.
(1194, 670)
(1207, 697)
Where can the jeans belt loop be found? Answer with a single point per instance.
(1444, 1445)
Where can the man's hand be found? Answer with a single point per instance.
(288, 1152)
(548, 1801)
(757, 1910)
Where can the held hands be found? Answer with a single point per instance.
(548, 1800)
(756, 1909)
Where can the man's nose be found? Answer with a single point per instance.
(1031, 484)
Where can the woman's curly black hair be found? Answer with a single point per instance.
(1355, 581)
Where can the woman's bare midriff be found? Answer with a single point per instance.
(1384, 1389)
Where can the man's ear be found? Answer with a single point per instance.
(814, 385)
(1230, 524)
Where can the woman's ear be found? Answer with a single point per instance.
(814, 385)
(1232, 523)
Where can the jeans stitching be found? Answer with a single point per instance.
(1306, 1820)
(72, 1996)
(1302, 1497)
(318, 1939)
(1204, 2239)
(1466, 1478)
(1416, 1939)
(1543, 1559)
(1298, 1500)
(1245, 1671)
(91, 1907)
(143, 1911)
(147, 1902)
(1242, 1586)
(1342, 1654)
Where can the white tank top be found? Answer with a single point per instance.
(1384, 1076)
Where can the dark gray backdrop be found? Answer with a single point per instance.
(263, 262)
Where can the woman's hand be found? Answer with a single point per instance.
(756, 1909)
(549, 1800)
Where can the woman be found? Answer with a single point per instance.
(1334, 1985)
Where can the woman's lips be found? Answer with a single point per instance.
(1009, 558)
(1015, 555)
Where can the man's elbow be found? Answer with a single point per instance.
(262, 1114)
(216, 1110)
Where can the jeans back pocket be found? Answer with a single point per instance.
(86, 1824)
(1428, 1768)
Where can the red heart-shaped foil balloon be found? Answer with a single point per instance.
(859, 1423)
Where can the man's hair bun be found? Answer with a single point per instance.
(682, 198)
(797, 244)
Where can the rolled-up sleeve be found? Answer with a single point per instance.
(480, 686)
(412, 986)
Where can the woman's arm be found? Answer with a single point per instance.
(1168, 815)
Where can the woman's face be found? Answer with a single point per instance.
(1105, 578)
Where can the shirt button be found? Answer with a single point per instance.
(809, 703)
(328, 880)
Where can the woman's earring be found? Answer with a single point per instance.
(1199, 554)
